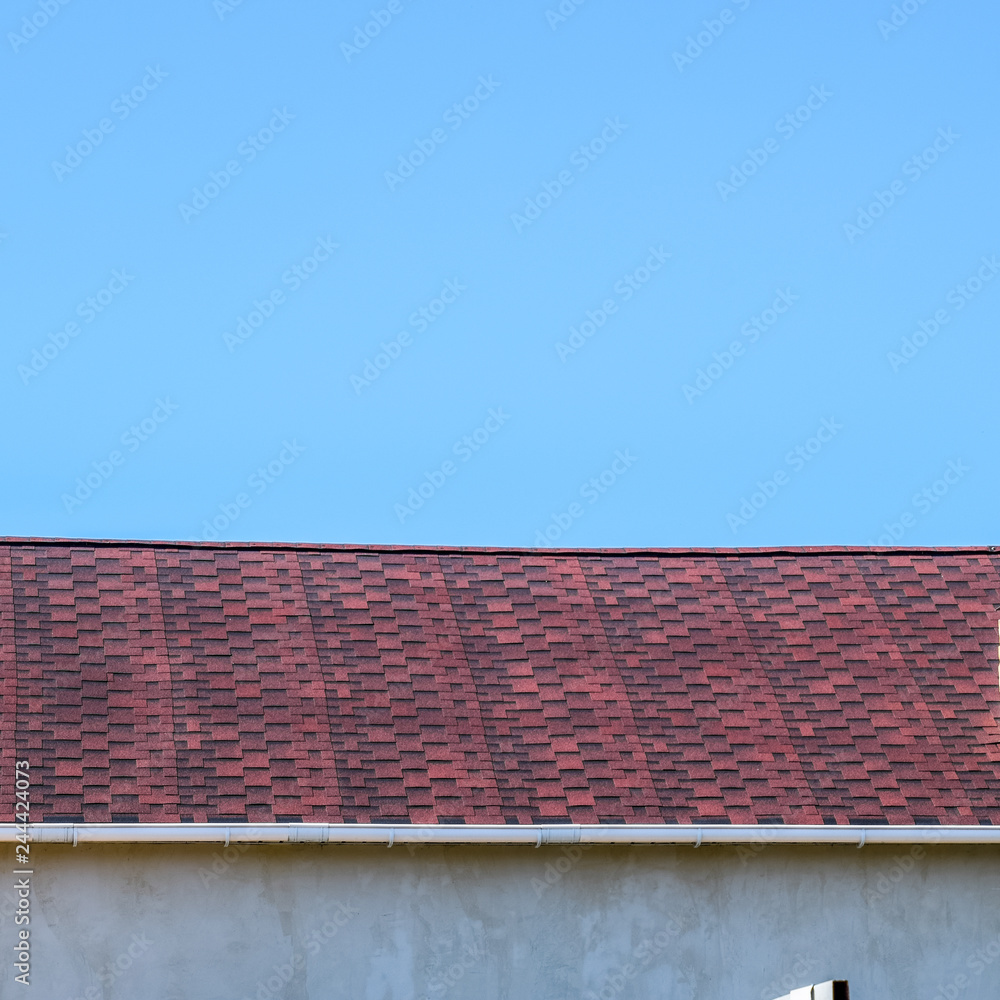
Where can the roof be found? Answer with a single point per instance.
(171, 682)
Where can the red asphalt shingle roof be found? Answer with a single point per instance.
(159, 682)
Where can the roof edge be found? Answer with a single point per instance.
(592, 835)
(790, 550)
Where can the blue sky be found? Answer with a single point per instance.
(592, 274)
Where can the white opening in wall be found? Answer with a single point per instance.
(834, 989)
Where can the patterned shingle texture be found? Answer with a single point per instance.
(162, 682)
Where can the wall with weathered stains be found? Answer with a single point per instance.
(310, 922)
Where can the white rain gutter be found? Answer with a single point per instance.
(527, 836)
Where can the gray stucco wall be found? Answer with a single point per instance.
(310, 922)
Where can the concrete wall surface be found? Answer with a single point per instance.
(310, 922)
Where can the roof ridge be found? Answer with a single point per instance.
(792, 550)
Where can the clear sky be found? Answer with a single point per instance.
(501, 273)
